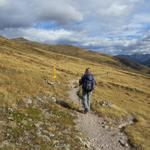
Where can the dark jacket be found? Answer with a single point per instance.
(89, 77)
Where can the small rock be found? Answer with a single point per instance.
(46, 112)
(123, 142)
(51, 134)
(87, 145)
(38, 132)
(26, 133)
(45, 138)
(21, 139)
(111, 128)
(39, 99)
(53, 99)
(47, 115)
(7, 135)
(10, 118)
(66, 147)
(105, 103)
(55, 142)
(45, 132)
(26, 102)
(10, 110)
(122, 125)
(26, 114)
(30, 119)
(50, 83)
(80, 139)
(132, 119)
(48, 133)
(106, 127)
(102, 146)
(38, 124)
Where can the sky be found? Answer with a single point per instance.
(108, 26)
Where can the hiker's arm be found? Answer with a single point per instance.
(81, 81)
(94, 83)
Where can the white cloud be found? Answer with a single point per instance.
(115, 10)
(3, 3)
(42, 35)
(106, 45)
(18, 13)
(142, 18)
(100, 25)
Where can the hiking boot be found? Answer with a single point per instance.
(85, 111)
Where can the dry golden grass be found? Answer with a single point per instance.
(24, 68)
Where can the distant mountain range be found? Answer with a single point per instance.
(143, 59)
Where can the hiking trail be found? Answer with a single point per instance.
(100, 136)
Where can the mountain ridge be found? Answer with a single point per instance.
(143, 59)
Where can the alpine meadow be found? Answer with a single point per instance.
(37, 111)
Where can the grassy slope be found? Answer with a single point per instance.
(23, 68)
(87, 55)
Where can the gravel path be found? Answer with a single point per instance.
(100, 135)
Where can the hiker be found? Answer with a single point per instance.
(88, 83)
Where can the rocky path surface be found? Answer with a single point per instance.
(100, 135)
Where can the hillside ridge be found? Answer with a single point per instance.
(88, 55)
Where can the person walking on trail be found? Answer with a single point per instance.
(88, 83)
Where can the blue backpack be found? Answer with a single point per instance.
(88, 82)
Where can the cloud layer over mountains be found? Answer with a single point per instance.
(112, 26)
